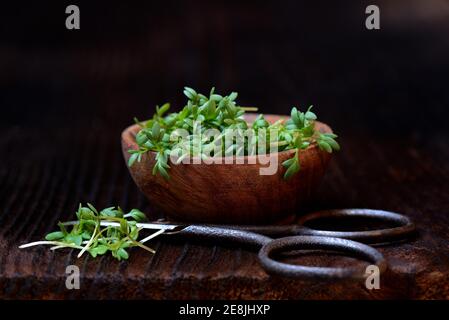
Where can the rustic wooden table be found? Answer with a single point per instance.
(66, 98)
(35, 195)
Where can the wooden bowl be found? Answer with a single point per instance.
(229, 193)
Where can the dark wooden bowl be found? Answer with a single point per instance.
(224, 193)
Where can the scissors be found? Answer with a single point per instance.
(273, 240)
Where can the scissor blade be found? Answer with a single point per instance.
(142, 225)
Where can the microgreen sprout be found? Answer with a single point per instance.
(219, 112)
(88, 235)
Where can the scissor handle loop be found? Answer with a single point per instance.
(404, 229)
(294, 243)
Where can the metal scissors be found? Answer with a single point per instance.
(271, 240)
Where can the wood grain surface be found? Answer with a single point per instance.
(66, 97)
(38, 194)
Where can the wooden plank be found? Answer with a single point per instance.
(394, 177)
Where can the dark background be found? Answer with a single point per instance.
(65, 96)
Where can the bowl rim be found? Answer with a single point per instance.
(128, 136)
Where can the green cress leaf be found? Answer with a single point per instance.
(292, 168)
(54, 235)
(132, 159)
(156, 129)
(137, 215)
(310, 115)
(324, 146)
(98, 250)
(288, 163)
(122, 254)
(163, 109)
(334, 144)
